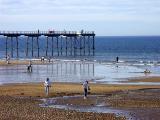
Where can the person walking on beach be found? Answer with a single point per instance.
(117, 59)
(47, 85)
(42, 59)
(85, 88)
(8, 59)
(29, 68)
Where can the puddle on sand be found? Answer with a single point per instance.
(91, 104)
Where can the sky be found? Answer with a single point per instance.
(105, 17)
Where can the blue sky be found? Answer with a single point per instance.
(105, 17)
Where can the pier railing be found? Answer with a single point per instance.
(46, 32)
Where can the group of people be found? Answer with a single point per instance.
(86, 88)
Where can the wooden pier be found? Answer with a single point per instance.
(57, 43)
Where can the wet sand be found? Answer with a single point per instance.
(133, 104)
(144, 103)
(22, 62)
(17, 108)
(21, 101)
(148, 79)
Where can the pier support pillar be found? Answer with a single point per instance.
(57, 47)
(88, 39)
(32, 46)
(52, 46)
(17, 47)
(47, 47)
(12, 47)
(27, 46)
(6, 47)
(71, 49)
(93, 46)
(75, 46)
(38, 46)
(80, 45)
(84, 43)
(66, 47)
(61, 46)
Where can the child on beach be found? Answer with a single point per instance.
(47, 84)
(85, 88)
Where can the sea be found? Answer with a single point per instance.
(136, 53)
(129, 48)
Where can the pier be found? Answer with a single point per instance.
(56, 43)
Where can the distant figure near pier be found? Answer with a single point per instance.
(147, 71)
(42, 59)
(29, 68)
(117, 59)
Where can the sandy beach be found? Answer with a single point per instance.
(21, 101)
(62, 89)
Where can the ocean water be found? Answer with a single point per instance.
(128, 48)
(133, 48)
(136, 53)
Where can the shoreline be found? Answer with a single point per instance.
(128, 82)
(23, 62)
(154, 79)
(38, 61)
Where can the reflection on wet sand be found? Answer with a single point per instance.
(75, 71)
(94, 103)
(57, 71)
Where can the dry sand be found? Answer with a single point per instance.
(61, 89)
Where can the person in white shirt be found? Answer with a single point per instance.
(85, 88)
(8, 59)
(47, 85)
